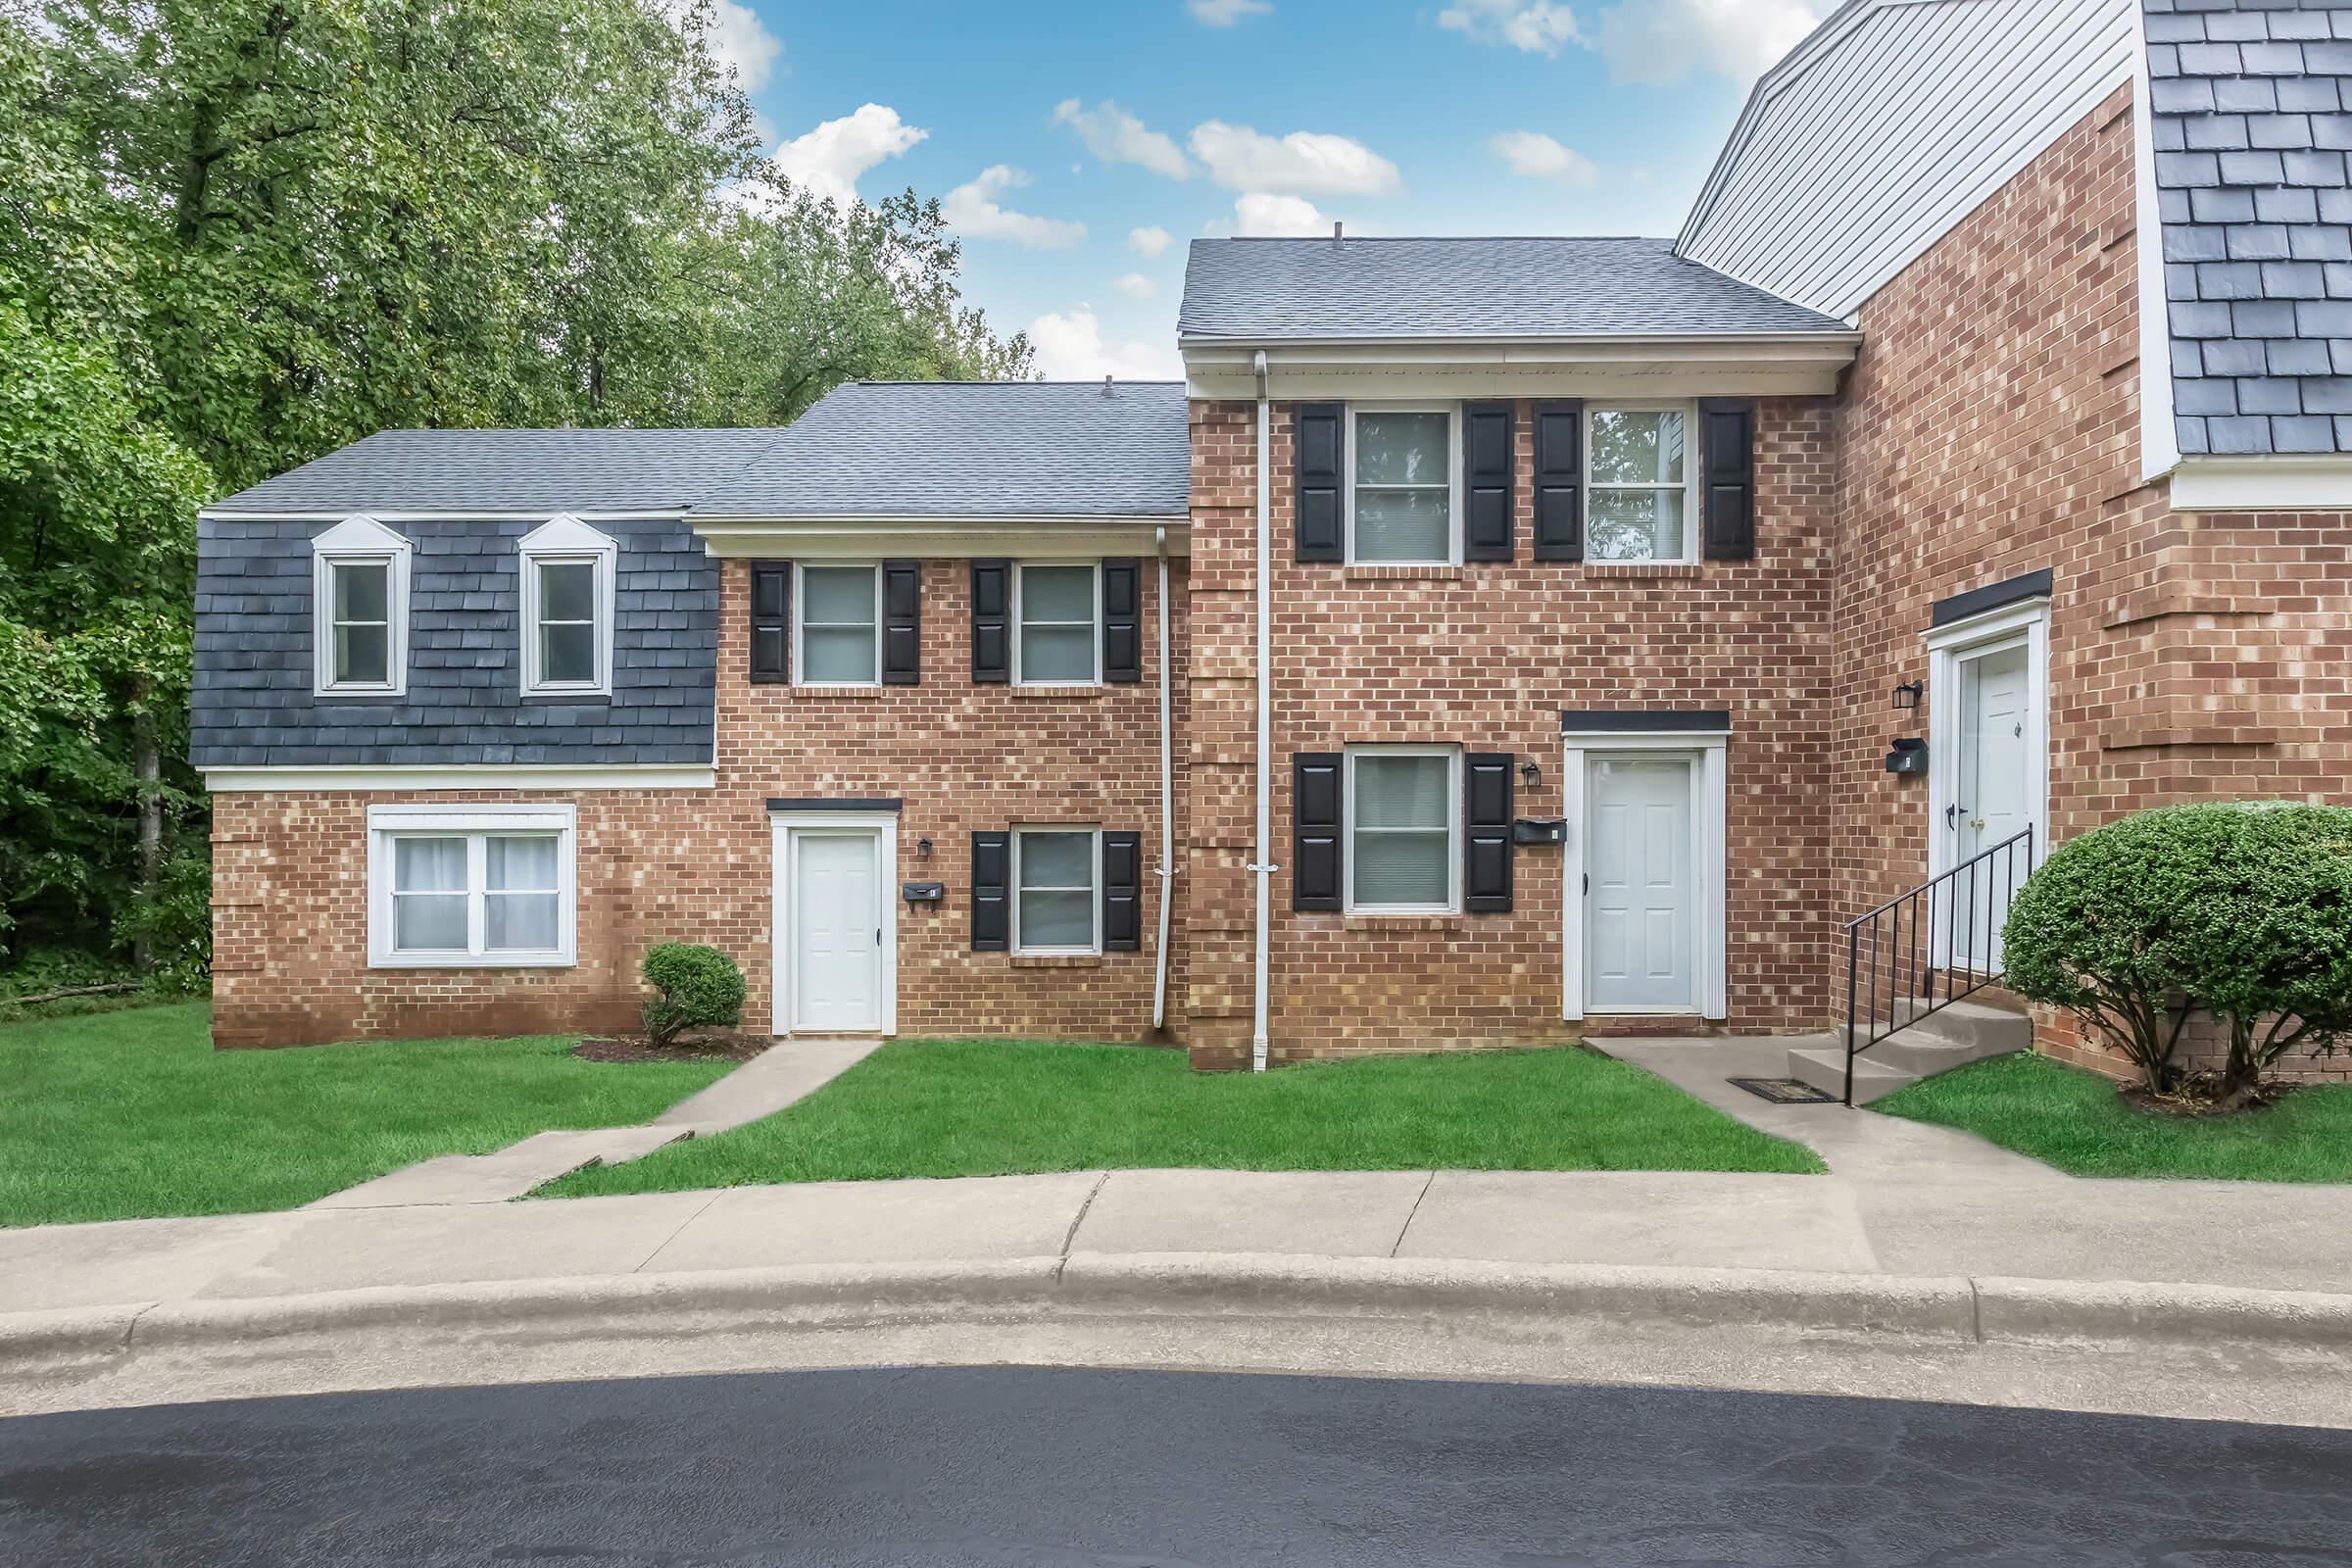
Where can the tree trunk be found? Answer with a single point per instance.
(150, 765)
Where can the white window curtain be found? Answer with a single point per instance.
(456, 886)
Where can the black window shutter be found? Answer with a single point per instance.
(1123, 621)
(1318, 435)
(992, 635)
(1560, 480)
(992, 903)
(1487, 481)
(1487, 832)
(771, 621)
(1315, 830)
(1727, 448)
(901, 623)
(1122, 891)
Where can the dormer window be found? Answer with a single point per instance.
(1401, 506)
(569, 570)
(360, 609)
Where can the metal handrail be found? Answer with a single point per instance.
(1909, 964)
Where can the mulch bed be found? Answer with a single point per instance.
(701, 1048)
(2196, 1100)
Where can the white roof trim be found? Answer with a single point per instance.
(2318, 482)
(516, 775)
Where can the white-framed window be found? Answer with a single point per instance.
(1057, 622)
(1640, 489)
(1405, 484)
(838, 634)
(1057, 890)
(360, 609)
(470, 886)
(1405, 825)
(568, 578)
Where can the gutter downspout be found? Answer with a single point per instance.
(1264, 867)
(1167, 800)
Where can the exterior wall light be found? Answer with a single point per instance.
(1908, 693)
(1531, 775)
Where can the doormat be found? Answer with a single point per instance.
(1785, 1091)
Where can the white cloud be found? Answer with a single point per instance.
(971, 209)
(1116, 136)
(828, 159)
(741, 39)
(1259, 212)
(1534, 27)
(1070, 348)
(1135, 286)
(1150, 241)
(1532, 155)
(1665, 40)
(1303, 163)
(1225, 13)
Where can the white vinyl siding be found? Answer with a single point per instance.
(1877, 141)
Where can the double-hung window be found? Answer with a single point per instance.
(1058, 624)
(1057, 891)
(1405, 814)
(470, 886)
(1402, 509)
(569, 572)
(840, 626)
(359, 599)
(1639, 494)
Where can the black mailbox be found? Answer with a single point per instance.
(1539, 830)
(925, 891)
(1909, 757)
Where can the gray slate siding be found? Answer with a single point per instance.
(2252, 118)
(253, 704)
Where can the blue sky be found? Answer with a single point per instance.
(1080, 147)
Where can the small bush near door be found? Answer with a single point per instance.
(700, 988)
(2240, 912)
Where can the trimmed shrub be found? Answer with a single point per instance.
(2241, 910)
(699, 988)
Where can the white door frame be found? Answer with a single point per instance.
(784, 829)
(2026, 625)
(1707, 751)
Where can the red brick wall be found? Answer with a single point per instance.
(1989, 428)
(290, 883)
(1487, 656)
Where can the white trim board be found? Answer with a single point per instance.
(473, 821)
(782, 825)
(937, 539)
(2321, 482)
(510, 776)
(1710, 808)
(2026, 624)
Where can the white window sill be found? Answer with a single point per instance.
(359, 694)
(472, 960)
(561, 692)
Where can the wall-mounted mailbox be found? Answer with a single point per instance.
(925, 891)
(1909, 757)
(1539, 830)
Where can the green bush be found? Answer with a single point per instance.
(700, 988)
(2241, 910)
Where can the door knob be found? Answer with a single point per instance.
(1977, 822)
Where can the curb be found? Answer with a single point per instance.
(1952, 1310)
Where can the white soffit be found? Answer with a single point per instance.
(1895, 119)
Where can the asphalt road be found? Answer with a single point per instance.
(1155, 1470)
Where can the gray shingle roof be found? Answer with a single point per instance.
(1539, 287)
(2252, 112)
(1001, 449)
(509, 470)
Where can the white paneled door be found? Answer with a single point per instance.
(1641, 907)
(1993, 789)
(835, 928)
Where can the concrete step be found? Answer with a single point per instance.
(1824, 1068)
(1971, 1024)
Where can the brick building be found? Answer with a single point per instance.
(1491, 641)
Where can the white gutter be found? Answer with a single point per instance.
(1264, 866)
(1167, 804)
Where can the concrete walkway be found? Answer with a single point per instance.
(765, 1084)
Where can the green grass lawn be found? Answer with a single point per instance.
(980, 1107)
(117, 1115)
(2075, 1121)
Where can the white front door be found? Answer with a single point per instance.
(836, 932)
(1641, 912)
(1992, 794)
